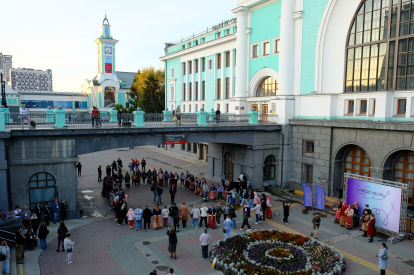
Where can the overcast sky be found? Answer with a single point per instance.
(59, 35)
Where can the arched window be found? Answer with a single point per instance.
(380, 47)
(267, 87)
(228, 166)
(269, 169)
(357, 162)
(42, 189)
(404, 172)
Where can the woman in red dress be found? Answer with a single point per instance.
(338, 212)
(269, 208)
(372, 231)
(349, 220)
(343, 209)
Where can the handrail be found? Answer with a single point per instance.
(7, 239)
(8, 232)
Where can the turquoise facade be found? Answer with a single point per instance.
(312, 15)
(176, 65)
(265, 25)
(121, 98)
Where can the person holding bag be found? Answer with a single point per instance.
(205, 240)
(69, 248)
(172, 242)
(383, 258)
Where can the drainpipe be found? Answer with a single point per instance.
(281, 166)
(330, 164)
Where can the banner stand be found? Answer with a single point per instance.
(394, 236)
(320, 198)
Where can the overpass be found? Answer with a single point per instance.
(39, 163)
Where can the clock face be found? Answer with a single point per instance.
(108, 50)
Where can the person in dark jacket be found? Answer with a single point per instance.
(31, 240)
(43, 232)
(120, 114)
(20, 239)
(159, 193)
(108, 170)
(38, 211)
(175, 215)
(286, 211)
(100, 173)
(122, 214)
(172, 242)
(233, 216)
(56, 210)
(218, 116)
(64, 210)
(62, 230)
(46, 214)
(35, 223)
(251, 198)
(79, 166)
(264, 208)
(146, 215)
(173, 190)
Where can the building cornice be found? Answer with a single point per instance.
(105, 40)
(200, 47)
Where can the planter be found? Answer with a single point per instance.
(6, 222)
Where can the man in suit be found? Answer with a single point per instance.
(56, 210)
(38, 211)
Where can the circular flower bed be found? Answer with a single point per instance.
(275, 252)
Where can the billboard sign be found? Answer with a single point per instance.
(384, 201)
(175, 139)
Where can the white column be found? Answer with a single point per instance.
(200, 60)
(287, 48)
(213, 67)
(193, 70)
(231, 72)
(223, 75)
(187, 87)
(242, 53)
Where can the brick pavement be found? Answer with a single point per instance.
(104, 247)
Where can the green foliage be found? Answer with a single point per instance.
(124, 109)
(148, 90)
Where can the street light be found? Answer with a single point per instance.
(3, 91)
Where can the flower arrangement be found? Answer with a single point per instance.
(275, 252)
(6, 215)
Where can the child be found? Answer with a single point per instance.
(165, 214)
(131, 217)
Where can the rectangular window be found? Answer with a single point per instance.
(196, 95)
(401, 106)
(227, 108)
(196, 107)
(196, 66)
(190, 67)
(219, 61)
(172, 72)
(364, 104)
(184, 92)
(277, 46)
(210, 64)
(227, 87)
(219, 88)
(189, 108)
(203, 65)
(373, 107)
(228, 32)
(183, 47)
(196, 42)
(309, 173)
(310, 147)
(203, 40)
(191, 91)
(203, 90)
(255, 47)
(227, 59)
(266, 48)
(218, 34)
(350, 107)
(184, 69)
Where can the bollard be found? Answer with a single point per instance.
(167, 115)
(113, 115)
(253, 117)
(6, 113)
(49, 115)
(2, 122)
(139, 118)
(60, 118)
(202, 118)
(212, 115)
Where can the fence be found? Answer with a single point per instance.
(62, 120)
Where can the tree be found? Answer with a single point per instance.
(124, 109)
(152, 98)
(139, 85)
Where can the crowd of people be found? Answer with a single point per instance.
(348, 216)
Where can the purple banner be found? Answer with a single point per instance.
(320, 197)
(307, 195)
(384, 201)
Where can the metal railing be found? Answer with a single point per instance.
(107, 120)
(104, 120)
(16, 120)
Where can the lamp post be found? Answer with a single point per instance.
(3, 91)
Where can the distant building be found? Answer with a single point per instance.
(30, 79)
(109, 87)
(6, 64)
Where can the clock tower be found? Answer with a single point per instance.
(106, 53)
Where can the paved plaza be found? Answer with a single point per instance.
(102, 247)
